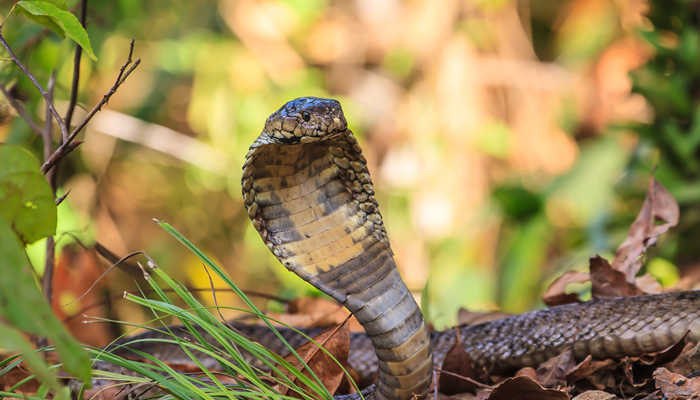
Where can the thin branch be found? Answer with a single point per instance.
(20, 109)
(46, 133)
(47, 277)
(65, 147)
(76, 71)
(60, 199)
(44, 93)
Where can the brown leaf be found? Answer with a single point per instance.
(676, 386)
(524, 388)
(458, 374)
(688, 361)
(644, 232)
(664, 356)
(315, 312)
(466, 317)
(15, 375)
(553, 372)
(75, 272)
(607, 282)
(587, 368)
(595, 395)
(648, 284)
(556, 292)
(337, 342)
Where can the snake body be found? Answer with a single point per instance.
(309, 194)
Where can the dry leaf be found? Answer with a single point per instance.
(676, 386)
(315, 312)
(595, 395)
(75, 272)
(524, 388)
(607, 282)
(556, 292)
(458, 373)
(587, 368)
(466, 317)
(648, 284)
(664, 356)
(644, 232)
(337, 342)
(553, 372)
(688, 361)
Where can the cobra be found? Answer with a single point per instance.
(310, 196)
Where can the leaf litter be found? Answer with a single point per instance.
(560, 377)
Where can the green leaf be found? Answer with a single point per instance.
(11, 339)
(60, 21)
(24, 306)
(26, 197)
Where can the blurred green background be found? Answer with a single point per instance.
(507, 140)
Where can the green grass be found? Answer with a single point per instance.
(249, 382)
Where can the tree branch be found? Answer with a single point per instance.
(20, 109)
(44, 93)
(126, 69)
(76, 71)
(47, 277)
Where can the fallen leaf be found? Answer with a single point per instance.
(75, 272)
(688, 361)
(664, 356)
(524, 388)
(676, 386)
(15, 375)
(458, 374)
(553, 372)
(607, 282)
(648, 284)
(595, 395)
(466, 317)
(527, 371)
(587, 368)
(556, 292)
(315, 312)
(644, 232)
(337, 342)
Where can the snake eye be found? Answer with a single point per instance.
(306, 116)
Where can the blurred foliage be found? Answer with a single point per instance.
(29, 213)
(670, 82)
(485, 125)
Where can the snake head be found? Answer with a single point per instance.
(305, 119)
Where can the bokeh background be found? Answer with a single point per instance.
(503, 136)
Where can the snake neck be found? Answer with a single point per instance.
(314, 206)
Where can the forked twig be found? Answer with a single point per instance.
(126, 69)
(44, 93)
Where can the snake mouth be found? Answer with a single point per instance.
(290, 138)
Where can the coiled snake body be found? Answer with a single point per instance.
(308, 193)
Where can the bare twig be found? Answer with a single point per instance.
(20, 110)
(65, 147)
(42, 91)
(60, 199)
(76, 70)
(46, 133)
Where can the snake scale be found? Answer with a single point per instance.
(309, 194)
